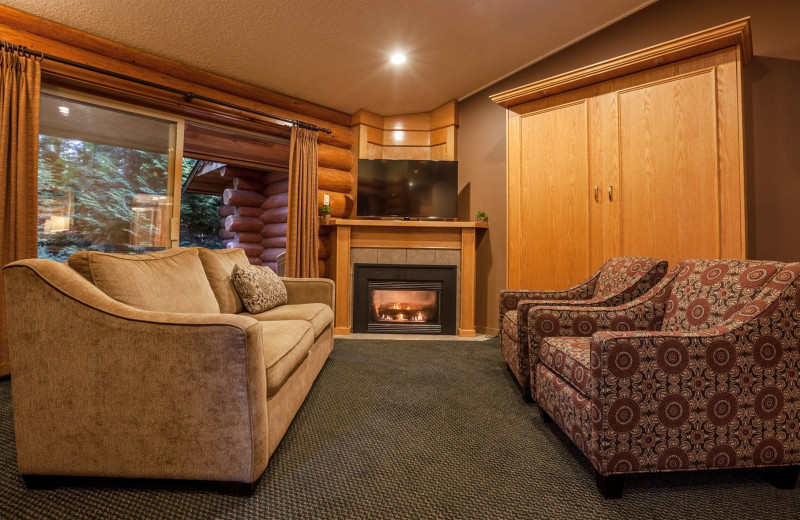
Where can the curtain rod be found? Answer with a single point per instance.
(187, 96)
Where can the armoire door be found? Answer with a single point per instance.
(680, 186)
(553, 196)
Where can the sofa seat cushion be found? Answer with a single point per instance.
(218, 265)
(286, 345)
(569, 359)
(318, 315)
(166, 281)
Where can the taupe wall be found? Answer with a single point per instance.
(772, 108)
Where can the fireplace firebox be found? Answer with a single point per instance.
(404, 299)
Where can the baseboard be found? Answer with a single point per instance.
(487, 331)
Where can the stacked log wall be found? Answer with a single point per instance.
(274, 215)
(240, 226)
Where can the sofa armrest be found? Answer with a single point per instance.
(102, 388)
(310, 290)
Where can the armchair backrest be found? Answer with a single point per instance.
(707, 292)
(619, 274)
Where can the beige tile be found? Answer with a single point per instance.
(421, 256)
(391, 256)
(363, 255)
(448, 257)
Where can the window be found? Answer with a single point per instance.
(105, 178)
(199, 214)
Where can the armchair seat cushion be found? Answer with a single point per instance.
(286, 345)
(569, 358)
(318, 315)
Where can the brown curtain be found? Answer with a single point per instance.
(301, 231)
(20, 82)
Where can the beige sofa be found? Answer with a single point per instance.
(148, 366)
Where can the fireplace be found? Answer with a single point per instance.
(405, 299)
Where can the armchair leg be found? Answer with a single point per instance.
(526, 395)
(610, 486)
(526, 392)
(782, 477)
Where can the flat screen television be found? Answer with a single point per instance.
(401, 188)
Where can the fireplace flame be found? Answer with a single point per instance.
(405, 306)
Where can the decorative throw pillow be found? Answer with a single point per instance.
(259, 288)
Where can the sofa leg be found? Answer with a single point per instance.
(545, 416)
(238, 488)
(41, 481)
(782, 477)
(610, 486)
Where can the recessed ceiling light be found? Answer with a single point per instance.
(398, 58)
(64, 111)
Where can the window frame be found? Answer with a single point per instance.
(175, 149)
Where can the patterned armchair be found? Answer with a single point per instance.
(619, 280)
(702, 372)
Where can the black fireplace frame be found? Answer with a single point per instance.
(409, 277)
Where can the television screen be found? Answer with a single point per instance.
(397, 188)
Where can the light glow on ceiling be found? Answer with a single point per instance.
(398, 58)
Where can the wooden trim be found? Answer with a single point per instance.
(405, 223)
(736, 33)
(340, 259)
(466, 326)
(82, 40)
(67, 43)
(487, 331)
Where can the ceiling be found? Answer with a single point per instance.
(335, 53)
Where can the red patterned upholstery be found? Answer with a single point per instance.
(718, 393)
(618, 281)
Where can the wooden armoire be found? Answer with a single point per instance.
(640, 155)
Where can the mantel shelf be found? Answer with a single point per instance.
(405, 223)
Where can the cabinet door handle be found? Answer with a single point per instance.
(610, 193)
(596, 193)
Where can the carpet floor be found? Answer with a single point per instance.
(401, 429)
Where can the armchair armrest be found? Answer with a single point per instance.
(102, 388)
(510, 298)
(310, 290)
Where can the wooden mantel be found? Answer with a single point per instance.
(403, 234)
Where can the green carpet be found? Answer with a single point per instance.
(424, 429)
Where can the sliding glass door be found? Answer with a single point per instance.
(107, 178)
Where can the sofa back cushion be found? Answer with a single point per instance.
(707, 292)
(621, 273)
(167, 281)
(218, 265)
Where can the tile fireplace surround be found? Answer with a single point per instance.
(404, 243)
